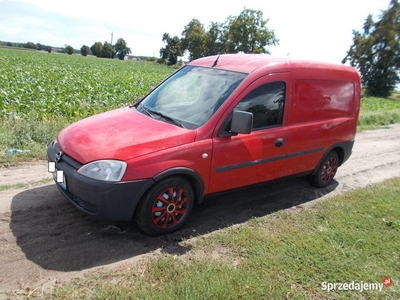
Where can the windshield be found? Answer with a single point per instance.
(191, 96)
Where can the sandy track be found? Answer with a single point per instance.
(43, 238)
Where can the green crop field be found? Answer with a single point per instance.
(373, 104)
(376, 112)
(48, 85)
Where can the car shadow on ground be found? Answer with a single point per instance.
(56, 236)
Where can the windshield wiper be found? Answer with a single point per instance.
(167, 118)
(145, 110)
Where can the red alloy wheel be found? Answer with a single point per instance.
(169, 207)
(165, 207)
(326, 171)
(329, 169)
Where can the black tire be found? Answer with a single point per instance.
(326, 171)
(165, 207)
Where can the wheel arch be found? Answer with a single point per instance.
(192, 176)
(340, 150)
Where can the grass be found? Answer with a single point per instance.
(286, 255)
(32, 134)
(45, 86)
(21, 185)
(378, 112)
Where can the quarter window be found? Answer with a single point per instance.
(266, 103)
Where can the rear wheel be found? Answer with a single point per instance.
(326, 171)
(165, 207)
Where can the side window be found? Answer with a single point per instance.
(266, 103)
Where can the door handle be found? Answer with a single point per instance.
(279, 142)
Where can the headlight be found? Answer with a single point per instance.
(105, 170)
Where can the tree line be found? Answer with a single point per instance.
(106, 50)
(28, 45)
(247, 32)
(120, 49)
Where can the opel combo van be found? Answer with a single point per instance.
(216, 124)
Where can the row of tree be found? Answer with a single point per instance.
(247, 32)
(120, 49)
(28, 45)
(106, 50)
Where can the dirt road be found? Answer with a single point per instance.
(43, 238)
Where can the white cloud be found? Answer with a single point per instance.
(307, 29)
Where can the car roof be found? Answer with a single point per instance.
(249, 63)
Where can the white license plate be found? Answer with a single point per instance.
(59, 177)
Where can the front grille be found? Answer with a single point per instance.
(67, 159)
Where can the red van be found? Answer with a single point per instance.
(218, 123)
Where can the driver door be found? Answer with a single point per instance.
(246, 159)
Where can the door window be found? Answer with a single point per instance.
(266, 103)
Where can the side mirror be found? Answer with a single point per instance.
(242, 122)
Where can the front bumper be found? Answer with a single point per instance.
(112, 201)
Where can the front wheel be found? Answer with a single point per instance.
(165, 207)
(326, 171)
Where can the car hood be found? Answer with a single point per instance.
(120, 134)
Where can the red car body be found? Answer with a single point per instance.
(313, 113)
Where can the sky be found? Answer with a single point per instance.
(306, 29)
